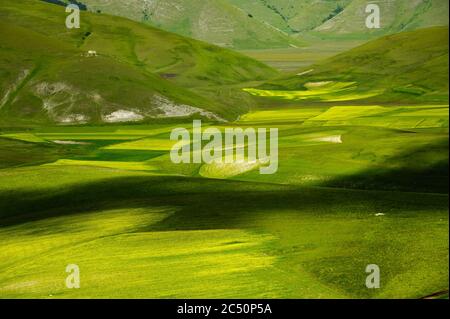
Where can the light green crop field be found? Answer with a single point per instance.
(294, 58)
(139, 226)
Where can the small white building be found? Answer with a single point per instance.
(91, 53)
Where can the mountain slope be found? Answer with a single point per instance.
(406, 67)
(346, 17)
(218, 22)
(293, 16)
(396, 16)
(259, 24)
(140, 72)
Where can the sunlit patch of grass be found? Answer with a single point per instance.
(114, 251)
(26, 137)
(226, 170)
(131, 166)
(349, 112)
(90, 136)
(325, 91)
(146, 144)
(288, 115)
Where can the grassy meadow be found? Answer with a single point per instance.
(108, 199)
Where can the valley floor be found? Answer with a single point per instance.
(356, 186)
(295, 58)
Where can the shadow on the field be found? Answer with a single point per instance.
(423, 170)
(203, 203)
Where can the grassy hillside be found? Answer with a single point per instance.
(293, 16)
(405, 67)
(330, 18)
(396, 16)
(140, 72)
(220, 22)
(262, 24)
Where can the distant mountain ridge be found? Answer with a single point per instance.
(259, 24)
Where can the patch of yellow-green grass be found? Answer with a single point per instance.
(440, 111)
(84, 226)
(288, 115)
(391, 117)
(394, 122)
(325, 91)
(433, 123)
(349, 112)
(145, 144)
(54, 177)
(381, 240)
(26, 137)
(351, 96)
(131, 166)
(177, 242)
(226, 170)
(90, 136)
(147, 130)
(118, 258)
(401, 117)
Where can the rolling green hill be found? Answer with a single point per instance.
(259, 24)
(344, 17)
(139, 72)
(402, 68)
(220, 22)
(396, 16)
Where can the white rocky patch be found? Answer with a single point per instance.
(73, 119)
(171, 109)
(96, 97)
(60, 93)
(122, 116)
(55, 94)
(45, 88)
(59, 98)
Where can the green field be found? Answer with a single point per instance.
(140, 226)
(292, 59)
